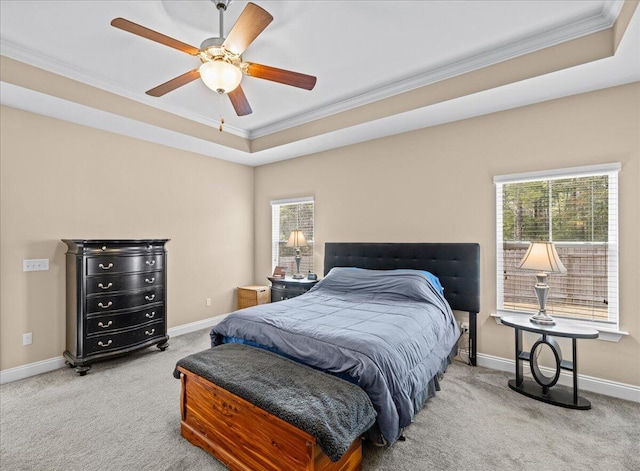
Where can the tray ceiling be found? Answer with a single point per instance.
(364, 53)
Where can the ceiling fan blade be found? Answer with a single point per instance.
(136, 29)
(251, 22)
(174, 83)
(239, 101)
(287, 77)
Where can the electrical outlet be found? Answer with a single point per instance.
(36, 264)
(208, 302)
(27, 339)
(464, 327)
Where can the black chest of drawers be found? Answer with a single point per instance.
(116, 299)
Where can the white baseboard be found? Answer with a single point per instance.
(44, 366)
(193, 326)
(628, 392)
(32, 369)
(586, 383)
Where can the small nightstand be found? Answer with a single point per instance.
(252, 296)
(542, 390)
(287, 288)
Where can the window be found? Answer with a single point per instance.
(577, 209)
(287, 216)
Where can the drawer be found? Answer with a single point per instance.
(278, 294)
(101, 324)
(111, 283)
(120, 264)
(123, 339)
(119, 247)
(252, 296)
(116, 302)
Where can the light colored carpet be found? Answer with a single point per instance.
(124, 415)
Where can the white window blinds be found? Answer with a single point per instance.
(577, 209)
(287, 216)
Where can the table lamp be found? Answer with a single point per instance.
(297, 240)
(543, 258)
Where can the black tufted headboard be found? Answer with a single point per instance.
(457, 265)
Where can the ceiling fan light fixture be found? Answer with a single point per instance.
(220, 76)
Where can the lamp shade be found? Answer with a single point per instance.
(296, 239)
(542, 256)
(220, 76)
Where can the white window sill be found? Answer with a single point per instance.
(607, 334)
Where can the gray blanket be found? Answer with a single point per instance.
(391, 331)
(332, 410)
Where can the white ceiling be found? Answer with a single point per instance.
(361, 52)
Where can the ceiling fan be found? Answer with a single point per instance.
(222, 67)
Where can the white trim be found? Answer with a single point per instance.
(628, 392)
(587, 23)
(44, 366)
(302, 199)
(32, 369)
(48, 105)
(585, 171)
(194, 326)
(65, 69)
(477, 60)
(611, 171)
(608, 334)
(586, 383)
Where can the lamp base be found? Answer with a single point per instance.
(297, 275)
(542, 318)
(542, 290)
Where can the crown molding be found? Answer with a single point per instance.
(544, 38)
(32, 101)
(42, 61)
(584, 25)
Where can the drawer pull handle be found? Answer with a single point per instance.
(150, 316)
(109, 304)
(150, 281)
(153, 331)
(150, 262)
(107, 267)
(105, 344)
(100, 324)
(150, 298)
(100, 285)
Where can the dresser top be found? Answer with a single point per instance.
(89, 245)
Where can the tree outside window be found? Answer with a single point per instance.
(579, 214)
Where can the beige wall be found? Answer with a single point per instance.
(436, 185)
(61, 180)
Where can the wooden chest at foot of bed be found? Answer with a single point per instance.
(245, 437)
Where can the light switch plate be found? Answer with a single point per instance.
(36, 264)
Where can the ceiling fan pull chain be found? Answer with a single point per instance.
(220, 110)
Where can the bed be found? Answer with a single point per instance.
(375, 319)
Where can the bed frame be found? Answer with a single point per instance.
(457, 265)
(247, 438)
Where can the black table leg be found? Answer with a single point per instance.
(519, 375)
(575, 371)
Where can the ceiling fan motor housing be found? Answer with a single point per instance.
(212, 50)
(221, 4)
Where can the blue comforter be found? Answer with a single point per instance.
(391, 331)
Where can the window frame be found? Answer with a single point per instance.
(275, 229)
(611, 327)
